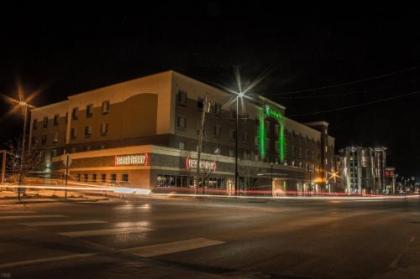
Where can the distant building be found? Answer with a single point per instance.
(143, 133)
(362, 169)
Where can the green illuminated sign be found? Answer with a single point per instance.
(265, 112)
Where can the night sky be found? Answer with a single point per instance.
(301, 50)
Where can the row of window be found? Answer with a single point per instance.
(75, 115)
(102, 178)
(88, 131)
(73, 134)
(45, 122)
(105, 108)
(182, 98)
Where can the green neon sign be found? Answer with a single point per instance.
(265, 112)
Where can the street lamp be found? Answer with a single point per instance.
(21, 103)
(238, 95)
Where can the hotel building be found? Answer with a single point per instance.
(362, 169)
(144, 132)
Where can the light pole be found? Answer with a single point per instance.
(236, 146)
(22, 102)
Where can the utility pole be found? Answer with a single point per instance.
(66, 175)
(236, 148)
(200, 140)
(22, 156)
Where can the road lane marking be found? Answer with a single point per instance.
(104, 232)
(11, 217)
(397, 259)
(172, 247)
(45, 260)
(62, 223)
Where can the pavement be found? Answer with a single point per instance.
(209, 238)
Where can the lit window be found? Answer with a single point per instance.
(55, 140)
(105, 107)
(89, 110)
(104, 129)
(231, 153)
(75, 113)
(181, 145)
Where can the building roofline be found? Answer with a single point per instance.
(317, 123)
(50, 105)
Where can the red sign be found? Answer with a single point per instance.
(204, 164)
(389, 172)
(131, 160)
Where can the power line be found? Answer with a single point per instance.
(358, 105)
(348, 82)
(323, 96)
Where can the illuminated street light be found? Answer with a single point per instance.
(21, 103)
(238, 96)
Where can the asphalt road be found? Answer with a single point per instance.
(174, 238)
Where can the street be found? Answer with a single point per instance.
(202, 238)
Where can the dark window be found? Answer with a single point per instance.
(217, 130)
(86, 177)
(182, 97)
(113, 178)
(33, 140)
(45, 122)
(245, 137)
(125, 177)
(181, 122)
(89, 110)
(103, 177)
(78, 177)
(105, 107)
(73, 133)
(217, 108)
(56, 118)
(94, 177)
(75, 113)
(35, 124)
(44, 140)
(200, 103)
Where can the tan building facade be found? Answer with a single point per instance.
(143, 133)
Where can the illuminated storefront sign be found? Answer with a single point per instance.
(204, 164)
(389, 172)
(131, 160)
(270, 112)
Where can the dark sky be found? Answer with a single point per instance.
(67, 54)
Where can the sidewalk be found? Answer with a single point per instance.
(40, 196)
